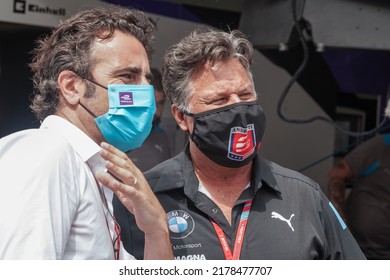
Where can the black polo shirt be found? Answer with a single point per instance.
(290, 217)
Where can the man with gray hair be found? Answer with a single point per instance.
(222, 199)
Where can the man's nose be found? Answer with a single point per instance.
(144, 81)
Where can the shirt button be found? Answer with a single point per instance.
(215, 210)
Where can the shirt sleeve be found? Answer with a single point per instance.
(39, 196)
(340, 244)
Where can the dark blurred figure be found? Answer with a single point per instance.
(366, 208)
(156, 147)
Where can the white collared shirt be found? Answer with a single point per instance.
(50, 205)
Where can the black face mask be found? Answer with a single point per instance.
(230, 136)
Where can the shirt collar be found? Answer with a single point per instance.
(262, 173)
(84, 146)
(178, 172)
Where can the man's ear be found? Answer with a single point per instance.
(180, 118)
(71, 86)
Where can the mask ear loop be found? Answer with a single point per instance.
(95, 83)
(89, 80)
(186, 113)
(86, 109)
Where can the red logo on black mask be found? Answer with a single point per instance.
(242, 142)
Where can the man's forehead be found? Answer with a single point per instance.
(121, 49)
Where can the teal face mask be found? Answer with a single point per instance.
(129, 119)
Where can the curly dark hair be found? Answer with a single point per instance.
(69, 48)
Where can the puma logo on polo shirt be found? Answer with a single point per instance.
(280, 217)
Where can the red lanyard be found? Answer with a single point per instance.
(239, 236)
(117, 241)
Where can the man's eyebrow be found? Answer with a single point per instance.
(222, 92)
(135, 71)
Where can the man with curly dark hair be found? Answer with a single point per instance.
(91, 81)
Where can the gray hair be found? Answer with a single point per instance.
(69, 47)
(183, 59)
